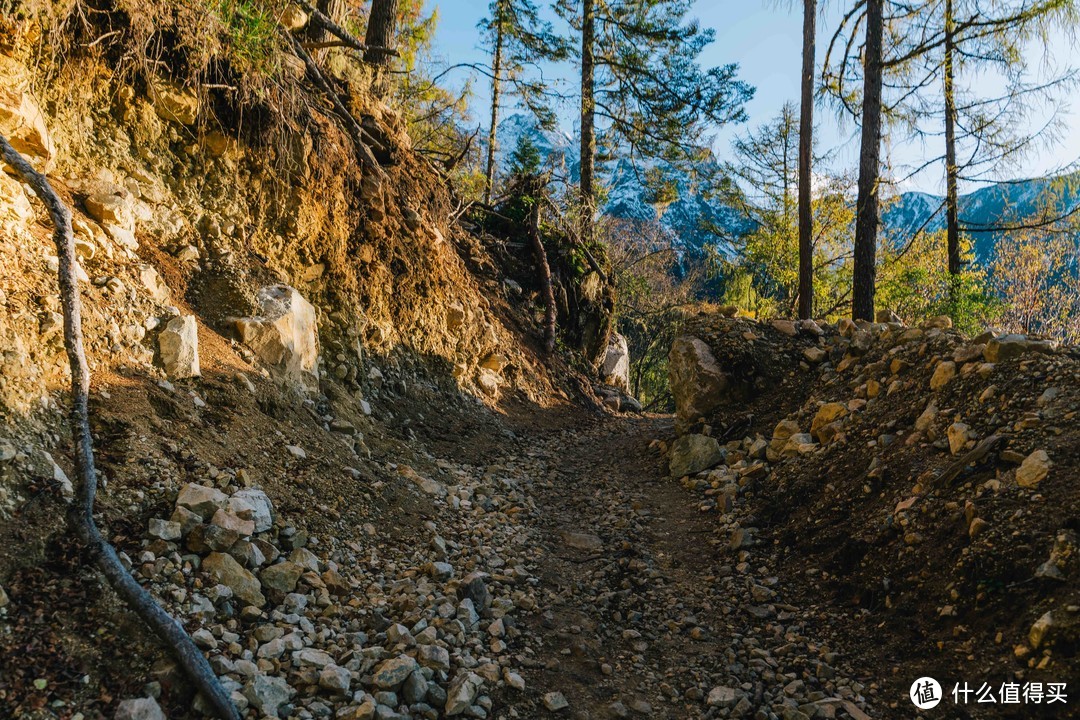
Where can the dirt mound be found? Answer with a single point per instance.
(921, 483)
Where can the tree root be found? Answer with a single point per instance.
(356, 132)
(167, 629)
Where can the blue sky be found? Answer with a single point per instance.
(764, 38)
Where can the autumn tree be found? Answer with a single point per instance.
(641, 85)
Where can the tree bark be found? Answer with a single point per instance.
(952, 197)
(588, 119)
(806, 151)
(496, 81)
(381, 34)
(866, 222)
(544, 269)
(167, 629)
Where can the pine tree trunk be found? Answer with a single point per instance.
(496, 71)
(806, 150)
(866, 222)
(952, 198)
(381, 34)
(588, 119)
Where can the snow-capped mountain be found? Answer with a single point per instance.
(693, 218)
(697, 218)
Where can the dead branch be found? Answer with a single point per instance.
(167, 629)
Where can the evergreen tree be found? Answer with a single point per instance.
(641, 83)
(526, 158)
(381, 34)
(518, 37)
(806, 150)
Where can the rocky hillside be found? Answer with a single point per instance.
(917, 487)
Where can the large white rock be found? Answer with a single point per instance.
(699, 384)
(285, 335)
(179, 343)
(615, 370)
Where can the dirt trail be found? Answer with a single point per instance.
(646, 612)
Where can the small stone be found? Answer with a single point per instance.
(335, 678)
(393, 672)
(164, 529)
(555, 701)
(201, 500)
(1033, 470)
(267, 694)
(461, 693)
(224, 569)
(254, 505)
(281, 577)
(959, 434)
(943, 374)
(139, 709)
(693, 453)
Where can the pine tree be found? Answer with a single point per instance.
(866, 219)
(642, 86)
(518, 37)
(381, 34)
(806, 150)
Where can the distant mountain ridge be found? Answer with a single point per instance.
(690, 217)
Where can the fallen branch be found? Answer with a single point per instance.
(100, 551)
(323, 22)
(356, 132)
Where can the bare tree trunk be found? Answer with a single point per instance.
(496, 80)
(952, 198)
(167, 629)
(381, 34)
(866, 222)
(588, 119)
(806, 151)
(544, 269)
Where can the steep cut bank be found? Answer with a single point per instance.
(281, 341)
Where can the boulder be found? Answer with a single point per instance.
(698, 383)
(693, 453)
(461, 693)
(179, 346)
(153, 283)
(225, 570)
(285, 335)
(112, 206)
(615, 369)
(393, 673)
